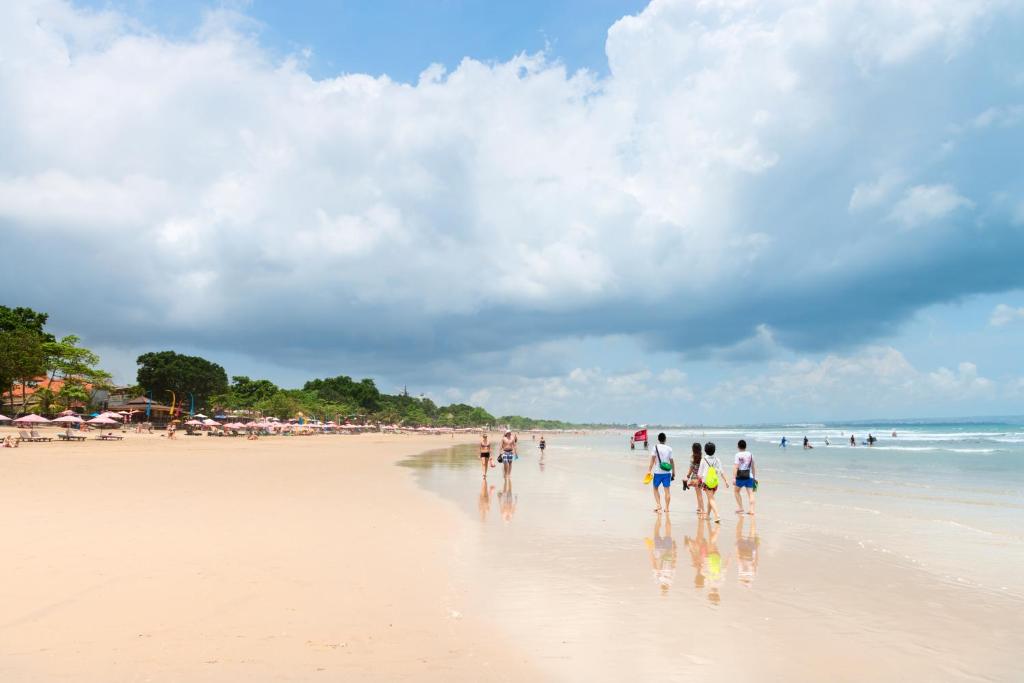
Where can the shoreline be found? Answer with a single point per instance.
(154, 560)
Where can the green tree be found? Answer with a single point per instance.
(22, 359)
(22, 318)
(66, 360)
(248, 392)
(164, 371)
(344, 389)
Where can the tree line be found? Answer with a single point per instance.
(28, 352)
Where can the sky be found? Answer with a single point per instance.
(680, 212)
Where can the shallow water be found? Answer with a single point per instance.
(910, 550)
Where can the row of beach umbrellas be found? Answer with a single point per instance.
(103, 419)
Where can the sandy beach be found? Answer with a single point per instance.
(202, 559)
(386, 557)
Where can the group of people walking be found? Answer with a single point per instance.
(509, 452)
(705, 476)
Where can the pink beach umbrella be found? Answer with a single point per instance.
(211, 423)
(194, 423)
(69, 419)
(101, 420)
(65, 413)
(32, 419)
(4, 418)
(112, 415)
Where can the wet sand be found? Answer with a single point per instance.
(580, 573)
(287, 558)
(318, 558)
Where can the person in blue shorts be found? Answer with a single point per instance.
(743, 477)
(663, 467)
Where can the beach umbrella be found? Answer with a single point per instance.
(194, 423)
(112, 415)
(69, 419)
(210, 423)
(200, 416)
(100, 420)
(67, 412)
(4, 418)
(32, 419)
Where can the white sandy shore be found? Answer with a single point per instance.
(287, 558)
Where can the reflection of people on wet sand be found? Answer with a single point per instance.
(507, 501)
(663, 555)
(713, 567)
(484, 502)
(698, 548)
(746, 552)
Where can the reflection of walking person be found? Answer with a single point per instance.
(664, 468)
(711, 477)
(746, 552)
(714, 566)
(698, 548)
(507, 501)
(744, 477)
(663, 555)
(484, 502)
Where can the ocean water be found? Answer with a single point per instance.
(905, 548)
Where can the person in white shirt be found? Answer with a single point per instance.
(744, 477)
(707, 462)
(664, 471)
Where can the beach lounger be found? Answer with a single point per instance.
(109, 437)
(70, 437)
(34, 436)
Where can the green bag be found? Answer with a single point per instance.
(711, 478)
(665, 466)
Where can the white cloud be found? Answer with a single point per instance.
(876, 378)
(869, 195)
(926, 204)
(1004, 315)
(247, 206)
(964, 383)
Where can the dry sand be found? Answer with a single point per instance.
(202, 559)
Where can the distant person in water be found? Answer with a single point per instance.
(663, 469)
(485, 453)
(744, 477)
(853, 441)
(807, 443)
(782, 444)
(542, 445)
(632, 444)
(871, 439)
(827, 442)
(509, 451)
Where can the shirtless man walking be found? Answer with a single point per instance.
(509, 451)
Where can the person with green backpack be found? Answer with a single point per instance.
(664, 472)
(711, 476)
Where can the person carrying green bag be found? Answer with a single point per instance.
(711, 476)
(664, 472)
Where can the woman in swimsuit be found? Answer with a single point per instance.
(691, 477)
(485, 453)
